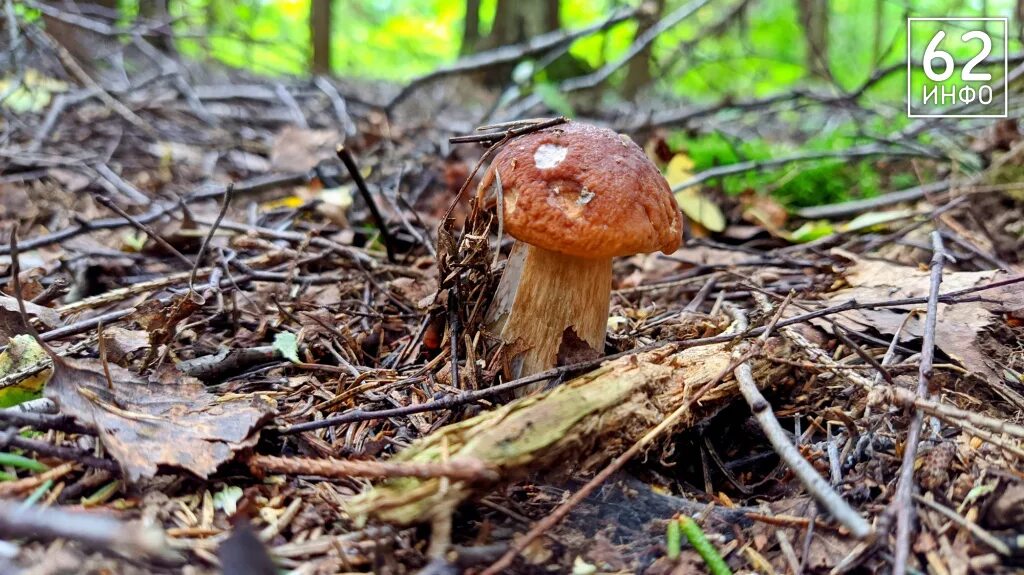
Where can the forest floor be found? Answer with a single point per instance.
(223, 330)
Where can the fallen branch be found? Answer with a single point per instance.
(580, 424)
(597, 77)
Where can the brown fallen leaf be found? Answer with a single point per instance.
(959, 327)
(169, 420)
(121, 344)
(299, 149)
(47, 316)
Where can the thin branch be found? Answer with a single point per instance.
(228, 193)
(350, 163)
(814, 483)
(905, 510)
(756, 165)
(92, 529)
(458, 469)
(109, 204)
(357, 415)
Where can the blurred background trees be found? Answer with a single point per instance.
(831, 70)
(730, 47)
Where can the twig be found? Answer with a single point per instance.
(357, 415)
(76, 70)
(228, 193)
(975, 529)
(814, 483)
(94, 530)
(339, 105)
(350, 163)
(64, 453)
(846, 209)
(43, 421)
(755, 165)
(901, 501)
(952, 415)
(121, 186)
(640, 43)
(459, 469)
(519, 130)
(250, 186)
(109, 204)
(41, 405)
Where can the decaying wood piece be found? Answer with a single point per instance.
(575, 428)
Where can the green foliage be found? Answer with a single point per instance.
(699, 541)
(21, 462)
(286, 343)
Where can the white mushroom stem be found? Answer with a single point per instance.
(556, 292)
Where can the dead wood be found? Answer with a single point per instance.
(574, 428)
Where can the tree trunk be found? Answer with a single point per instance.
(638, 74)
(814, 19)
(517, 21)
(320, 32)
(470, 28)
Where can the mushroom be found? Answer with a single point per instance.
(576, 196)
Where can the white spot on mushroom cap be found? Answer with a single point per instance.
(549, 155)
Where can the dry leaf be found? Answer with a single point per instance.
(175, 422)
(47, 316)
(958, 326)
(696, 207)
(299, 150)
(169, 420)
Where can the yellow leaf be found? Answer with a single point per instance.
(285, 202)
(679, 169)
(690, 200)
(31, 92)
(23, 352)
(700, 209)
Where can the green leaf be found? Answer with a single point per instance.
(286, 343)
(22, 462)
(554, 99)
(979, 491)
(37, 494)
(673, 540)
(227, 499)
(811, 231)
(699, 541)
(872, 219)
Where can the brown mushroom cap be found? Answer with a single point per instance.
(584, 191)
